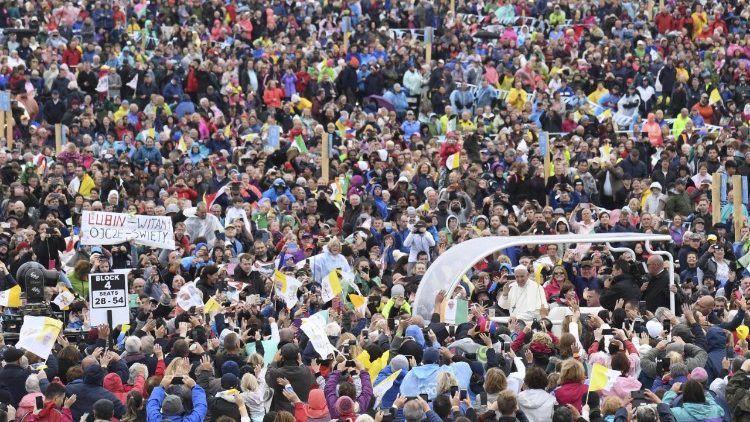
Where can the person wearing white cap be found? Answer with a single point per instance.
(656, 201)
(523, 298)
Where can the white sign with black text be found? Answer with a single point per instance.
(108, 292)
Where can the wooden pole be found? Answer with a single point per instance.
(345, 49)
(715, 198)
(58, 138)
(453, 8)
(2, 127)
(739, 216)
(428, 46)
(546, 159)
(325, 159)
(9, 128)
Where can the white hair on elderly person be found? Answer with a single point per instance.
(132, 344)
(32, 384)
(135, 370)
(333, 329)
(147, 345)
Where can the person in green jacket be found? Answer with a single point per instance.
(678, 203)
(397, 302)
(697, 405)
(79, 278)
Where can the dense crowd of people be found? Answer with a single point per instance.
(357, 141)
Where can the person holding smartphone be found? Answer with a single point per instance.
(54, 405)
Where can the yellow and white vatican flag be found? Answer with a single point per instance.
(11, 298)
(453, 161)
(38, 335)
(286, 288)
(331, 285)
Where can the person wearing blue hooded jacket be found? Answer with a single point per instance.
(91, 390)
(147, 153)
(278, 189)
(716, 341)
(423, 379)
(398, 363)
(161, 406)
(380, 205)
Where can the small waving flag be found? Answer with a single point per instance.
(41, 165)
(358, 301)
(379, 390)
(453, 161)
(11, 298)
(209, 199)
(299, 143)
(211, 306)
(133, 83)
(602, 378)
(331, 285)
(714, 97)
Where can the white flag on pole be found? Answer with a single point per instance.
(133, 82)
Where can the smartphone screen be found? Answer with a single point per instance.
(39, 402)
(464, 394)
(454, 390)
(424, 396)
(642, 307)
(667, 325)
(607, 332)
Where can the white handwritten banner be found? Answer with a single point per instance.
(109, 228)
(315, 328)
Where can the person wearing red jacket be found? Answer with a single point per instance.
(572, 388)
(183, 190)
(664, 21)
(449, 147)
(56, 407)
(273, 95)
(72, 56)
(114, 384)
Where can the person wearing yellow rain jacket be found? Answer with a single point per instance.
(517, 97)
(326, 68)
(700, 20)
(122, 111)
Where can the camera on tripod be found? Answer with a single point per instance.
(32, 276)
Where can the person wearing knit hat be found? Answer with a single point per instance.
(223, 402)
(398, 363)
(397, 303)
(172, 405)
(230, 381)
(699, 374)
(430, 356)
(230, 367)
(346, 409)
